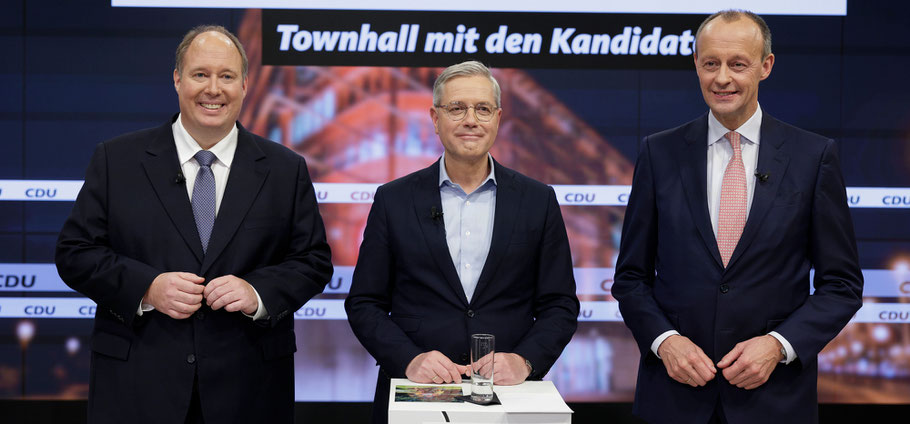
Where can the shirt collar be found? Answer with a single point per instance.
(749, 131)
(187, 145)
(444, 176)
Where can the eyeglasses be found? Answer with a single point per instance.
(456, 111)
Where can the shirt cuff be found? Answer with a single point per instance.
(261, 312)
(791, 354)
(144, 307)
(660, 339)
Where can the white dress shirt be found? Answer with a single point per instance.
(187, 147)
(469, 224)
(719, 154)
(224, 149)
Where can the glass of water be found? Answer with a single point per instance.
(482, 350)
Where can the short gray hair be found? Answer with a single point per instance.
(195, 32)
(465, 69)
(731, 15)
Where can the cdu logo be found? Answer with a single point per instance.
(336, 283)
(40, 310)
(310, 312)
(896, 200)
(580, 197)
(894, 315)
(40, 193)
(12, 281)
(361, 195)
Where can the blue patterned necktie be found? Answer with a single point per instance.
(204, 197)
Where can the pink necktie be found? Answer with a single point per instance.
(733, 199)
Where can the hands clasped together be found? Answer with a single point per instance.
(180, 294)
(747, 366)
(434, 367)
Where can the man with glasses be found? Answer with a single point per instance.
(464, 246)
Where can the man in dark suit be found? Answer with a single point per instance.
(198, 240)
(464, 246)
(727, 215)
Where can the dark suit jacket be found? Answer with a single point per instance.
(406, 297)
(132, 221)
(798, 220)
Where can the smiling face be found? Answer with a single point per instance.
(467, 140)
(211, 87)
(729, 63)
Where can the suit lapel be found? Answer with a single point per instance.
(162, 168)
(508, 199)
(693, 165)
(249, 170)
(773, 161)
(426, 197)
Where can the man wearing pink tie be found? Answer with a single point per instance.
(727, 215)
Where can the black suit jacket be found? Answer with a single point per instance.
(669, 273)
(133, 220)
(406, 297)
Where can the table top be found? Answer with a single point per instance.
(537, 397)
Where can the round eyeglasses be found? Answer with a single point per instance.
(456, 111)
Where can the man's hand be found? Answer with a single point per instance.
(509, 369)
(751, 362)
(434, 367)
(685, 361)
(231, 293)
(176, 294)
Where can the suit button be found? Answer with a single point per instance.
(200, 315)
(470, 313)
(191, 359)
(464, 358)
(724, 288)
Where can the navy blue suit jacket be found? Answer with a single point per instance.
(406, 297)
(669, 273)
(133, 220)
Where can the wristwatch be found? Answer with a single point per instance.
(783, 353)
(530, 367)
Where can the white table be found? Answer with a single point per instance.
(532, 402)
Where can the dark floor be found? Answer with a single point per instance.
(73, 412)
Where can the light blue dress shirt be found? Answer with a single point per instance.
(469, 225)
